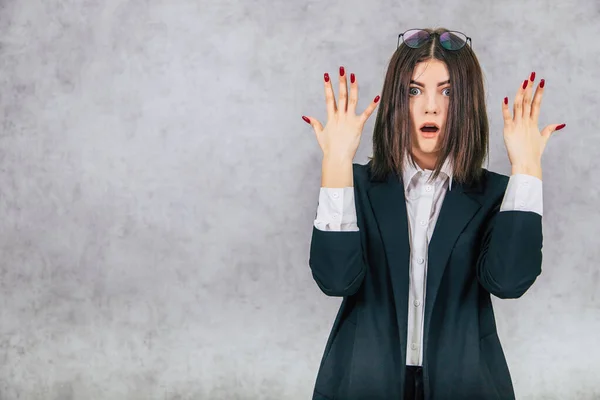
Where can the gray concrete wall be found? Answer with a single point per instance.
(158, 188)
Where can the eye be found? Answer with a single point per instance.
(410, 91)
(447, 89)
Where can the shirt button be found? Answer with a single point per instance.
(335, 196)
(428, 188)
(423, 222)
(522, 204)
(417, 303)
(413, 346)
(420, 260)
(334, 216)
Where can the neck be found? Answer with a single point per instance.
(425, 161)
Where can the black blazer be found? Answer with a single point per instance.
(475, 250)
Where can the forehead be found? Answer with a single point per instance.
(430, 70)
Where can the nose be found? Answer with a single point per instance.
(432, 106)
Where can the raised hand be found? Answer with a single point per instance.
(524, 142)
(340, 138)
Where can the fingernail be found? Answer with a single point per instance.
(341, 71)
(525, 83)
(542, 83)
(376, 99)
(506, 100)
(532, 77)
(352, 78)
(326, 77)
(558, 128)
(306, 119)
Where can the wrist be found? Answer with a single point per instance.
(533, 169)
(337, 160)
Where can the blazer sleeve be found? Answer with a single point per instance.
(510, 257)
(337, 259)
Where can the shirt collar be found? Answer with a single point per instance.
(409, 171)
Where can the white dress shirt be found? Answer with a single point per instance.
(336, 211)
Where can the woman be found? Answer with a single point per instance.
(416, 240)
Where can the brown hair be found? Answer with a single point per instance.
(466, 139)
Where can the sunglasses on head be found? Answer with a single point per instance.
(450, 40)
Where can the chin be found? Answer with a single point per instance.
(428, 147)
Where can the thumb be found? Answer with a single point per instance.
(314, 123)
(550, 129)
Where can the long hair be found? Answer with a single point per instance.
(466, 137)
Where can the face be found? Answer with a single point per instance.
(429, 98)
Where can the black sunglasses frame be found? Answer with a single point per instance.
(401, 36)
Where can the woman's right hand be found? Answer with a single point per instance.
(341, 136)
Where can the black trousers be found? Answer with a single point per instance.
(413, 383)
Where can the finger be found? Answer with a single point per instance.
(329, 97)
(369, 110)
(343, 102)
(506, 111)
(550, 129)
(353, 98)
(518, 106)
(537, 101)
(318, 128)
(527, 96)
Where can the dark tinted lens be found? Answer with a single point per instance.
(452, 40)
(415, 38)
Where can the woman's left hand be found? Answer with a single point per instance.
(522, 137)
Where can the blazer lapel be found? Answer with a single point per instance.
(389, 207)
(458, 208)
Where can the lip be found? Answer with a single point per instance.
(429, 135)
(430, 123)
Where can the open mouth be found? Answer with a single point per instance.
(430, 127)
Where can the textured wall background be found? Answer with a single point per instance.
(158, 189)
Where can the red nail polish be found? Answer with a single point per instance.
(558, 128)
(506, 100)
(306, 119)
(342, 71)
(525, 83)
(352, 78)
(542, 83)
(376, 99)
(532, 77)
(326, 77)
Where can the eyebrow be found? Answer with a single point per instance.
(422, 85)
